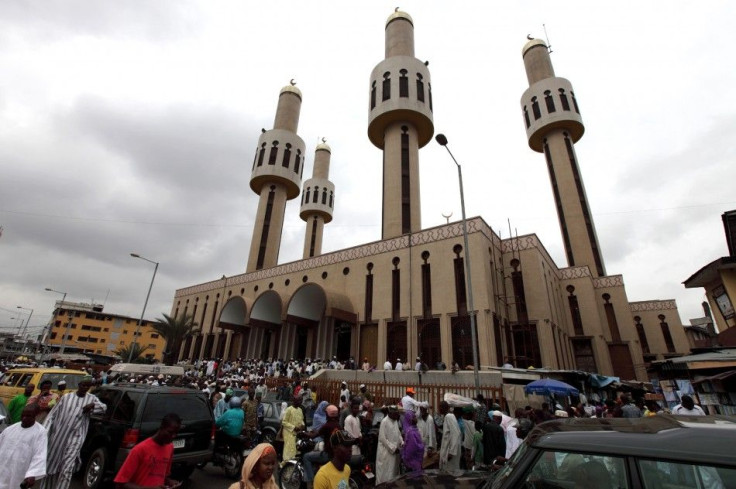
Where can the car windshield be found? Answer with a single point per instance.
(503, 474)
(72, 380)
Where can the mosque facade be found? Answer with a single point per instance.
(405, 296)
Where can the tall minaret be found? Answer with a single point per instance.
(399, 123)
(553, 126)
(276, 177)
(318, 199)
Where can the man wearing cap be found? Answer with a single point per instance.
(336, 473)
(399, 366)
(451, 447)
(61, 387)
(344, 391)
(67, 425)
(324, 432)
(389, 447)
(410, 404)
(23, 451)
(222, 404)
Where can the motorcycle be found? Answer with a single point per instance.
(229, 453)
(291, 475)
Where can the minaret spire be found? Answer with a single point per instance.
(553, 126)
(399, 123)
(318, 199)
(276, 177)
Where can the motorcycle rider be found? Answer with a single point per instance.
(230, 424)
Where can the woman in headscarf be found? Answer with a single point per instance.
(320, 417)
(413, 451)
(258, 469)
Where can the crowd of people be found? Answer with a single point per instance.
(48, 429)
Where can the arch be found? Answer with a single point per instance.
(266, 310)
(234, 314)
(308, 302)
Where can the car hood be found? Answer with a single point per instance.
(440, 479)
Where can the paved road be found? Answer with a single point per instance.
(208, 478)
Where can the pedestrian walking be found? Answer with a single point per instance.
(389, 446)
(67, 425)
(23, 451)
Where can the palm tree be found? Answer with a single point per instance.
(124, 352)
(175, 331)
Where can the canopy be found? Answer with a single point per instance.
(547, 387)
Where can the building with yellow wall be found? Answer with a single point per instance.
(91, 330)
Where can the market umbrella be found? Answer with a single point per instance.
(547, 387)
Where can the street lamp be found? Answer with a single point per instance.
(442, 140)
(140, 321)
(68, 324)
(29, 318)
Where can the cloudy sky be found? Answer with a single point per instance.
(130, 126)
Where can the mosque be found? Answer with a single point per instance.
(405, 296)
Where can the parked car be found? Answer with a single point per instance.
(659, 452)
(134, 413)
(4, 418)
(14, 381)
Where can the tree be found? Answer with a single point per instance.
(174, 331)
(124, 352)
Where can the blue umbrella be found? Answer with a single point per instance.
(547, 387)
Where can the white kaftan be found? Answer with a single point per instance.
(451, 443)
(388, 454)
(22, 453)
(67, 426)
(429, 435)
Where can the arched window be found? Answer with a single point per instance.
(261, 154)
(306, 198)
(549, 101)
(272, 154)
(403, 84)
(316, 195)
(563, 99)
(331, 199)
(386, 86)
(575, 102)
(373, 95)
(420, 87)
(324, 196)
(535, 108)
(287, 156)
(429, 89)
(297, 160)
(526, 117)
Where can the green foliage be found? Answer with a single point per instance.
(137, 357)
(174, 331)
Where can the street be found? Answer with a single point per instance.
(210, 478)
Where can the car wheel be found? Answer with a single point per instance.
(94, 470)
(290, 477)
(354, 484)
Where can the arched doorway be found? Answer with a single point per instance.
(304, 315)
(233, 318)
(266, 317)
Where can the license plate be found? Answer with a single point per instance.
(179, 443)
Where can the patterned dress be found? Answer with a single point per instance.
(67, 427)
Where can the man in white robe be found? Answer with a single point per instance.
(451, 448)
(390, 442)
(23, 451)
(67, 425)
(425, 423)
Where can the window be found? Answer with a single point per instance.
(386, 86)
(272, 154)
(420, 88)
(535, 108)
(287, 156)
(563, 99)
(127, 407)
(373, 95)
(403, 84)
(569, 469)
(657, 474)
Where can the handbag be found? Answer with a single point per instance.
(280, 435)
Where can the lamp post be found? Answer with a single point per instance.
(25, 328)
(442, 140)
(68, 324)
(140, 321)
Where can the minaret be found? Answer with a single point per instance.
(553, 126)
(318, 199)
(399, 123)
(276, 177)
